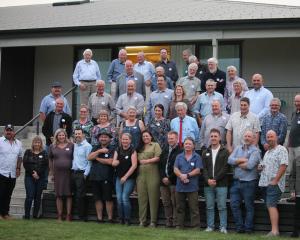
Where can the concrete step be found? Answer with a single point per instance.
(19, 201)
(16, 209)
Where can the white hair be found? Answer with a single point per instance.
(87, 51)
(276, 100)
(211, 81)
(193, 65)
(181, 104)
(192, 59)
(100, 81)
(213, 60)
(231, 68)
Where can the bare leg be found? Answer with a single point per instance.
(274, 216)
(99, 209)
(59, 207)
(109, 208)
(69, 209)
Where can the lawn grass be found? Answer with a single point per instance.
(53, 230)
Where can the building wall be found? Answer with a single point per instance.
(277, 59)
(52, 63)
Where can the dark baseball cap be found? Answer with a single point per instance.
(56, 84)
(106, 132)
(9, 127)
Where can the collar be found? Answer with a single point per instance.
(244, 116)
(206, 93)
(98, 95)
(241, 94)
(158, 91)
(81, 143)
(258, 90)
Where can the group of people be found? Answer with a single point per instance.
(157, 134)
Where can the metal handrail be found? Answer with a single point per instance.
(37, 116)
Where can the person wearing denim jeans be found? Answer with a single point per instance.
(125, 161)
(35, 162)
(244, 160)
(215, 169)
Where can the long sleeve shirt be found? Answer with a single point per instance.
(80, 161)
(116, 68)
(252, 154)
(86, 71)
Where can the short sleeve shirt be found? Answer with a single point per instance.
(271, 163)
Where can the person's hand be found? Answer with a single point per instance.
(166, 181)
(82, 86)
(148, 83)
(103, 150)
(35, 175)
(52, 139)
(115, 163)
(243, 165)
(123, 179)
(183, 177)
(143, 161)
(212, 182)
(266, 147)
(194, 99)
(293, 195)
(274, 182)
(52, 178)
(230, 149)
(260, 167)
(18, 172)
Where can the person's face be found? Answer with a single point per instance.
(257, 81)
(61, 137)
(131, 114)
(237, 88)
(130, 87)
(56, 91)
(125, 141)
(210, 87)
(37, 145)
(297, 102)
(215, 138)
(104, 139)
(146, 138)
(271, 139)
(179, 91)
(100, 88)
(103, 118)
(158, 112)
(185, 56)
(78, 135)
(244, 107)
(216, 108)
(9, 134)
(274, 106)
(83, 113)
(122, 56)
(87, 56)
(212, 67)
(159, 71)
(192, 72)
(129, 68)
(163, 54)
(181, 112)
(248, 138)
(161, 83)
(172, 139)
(59, 105)
(188, 145)
(231, 73)
(140, 58)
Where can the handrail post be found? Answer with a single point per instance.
(38, 127)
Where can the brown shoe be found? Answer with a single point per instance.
(7, 217)
(59, 218)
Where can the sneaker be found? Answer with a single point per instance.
(209, 229)
(223, 230)
(271, 234)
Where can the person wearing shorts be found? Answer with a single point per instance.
(101, 175)
(272, 178)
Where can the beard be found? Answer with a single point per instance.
(213, 70)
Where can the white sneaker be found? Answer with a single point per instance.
(223, 230)
(209, 229)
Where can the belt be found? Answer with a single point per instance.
(78, 171)
(87, 80)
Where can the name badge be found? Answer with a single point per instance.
(207, 154)
(218, 79)
(135, 98)
(106, 155)
(224, 118)
(135, 79)
(126, 157)
(40, 156)
(192, 164)
(192, 86)
(200, 72)
(134, 127)
(170, 69)
(158, 124)
(53, 102)
(103, 103)
(166, 96)
(67, 149)
(298, 122)
(63, 120)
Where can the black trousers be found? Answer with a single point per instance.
(7, 186)
(79, 193)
